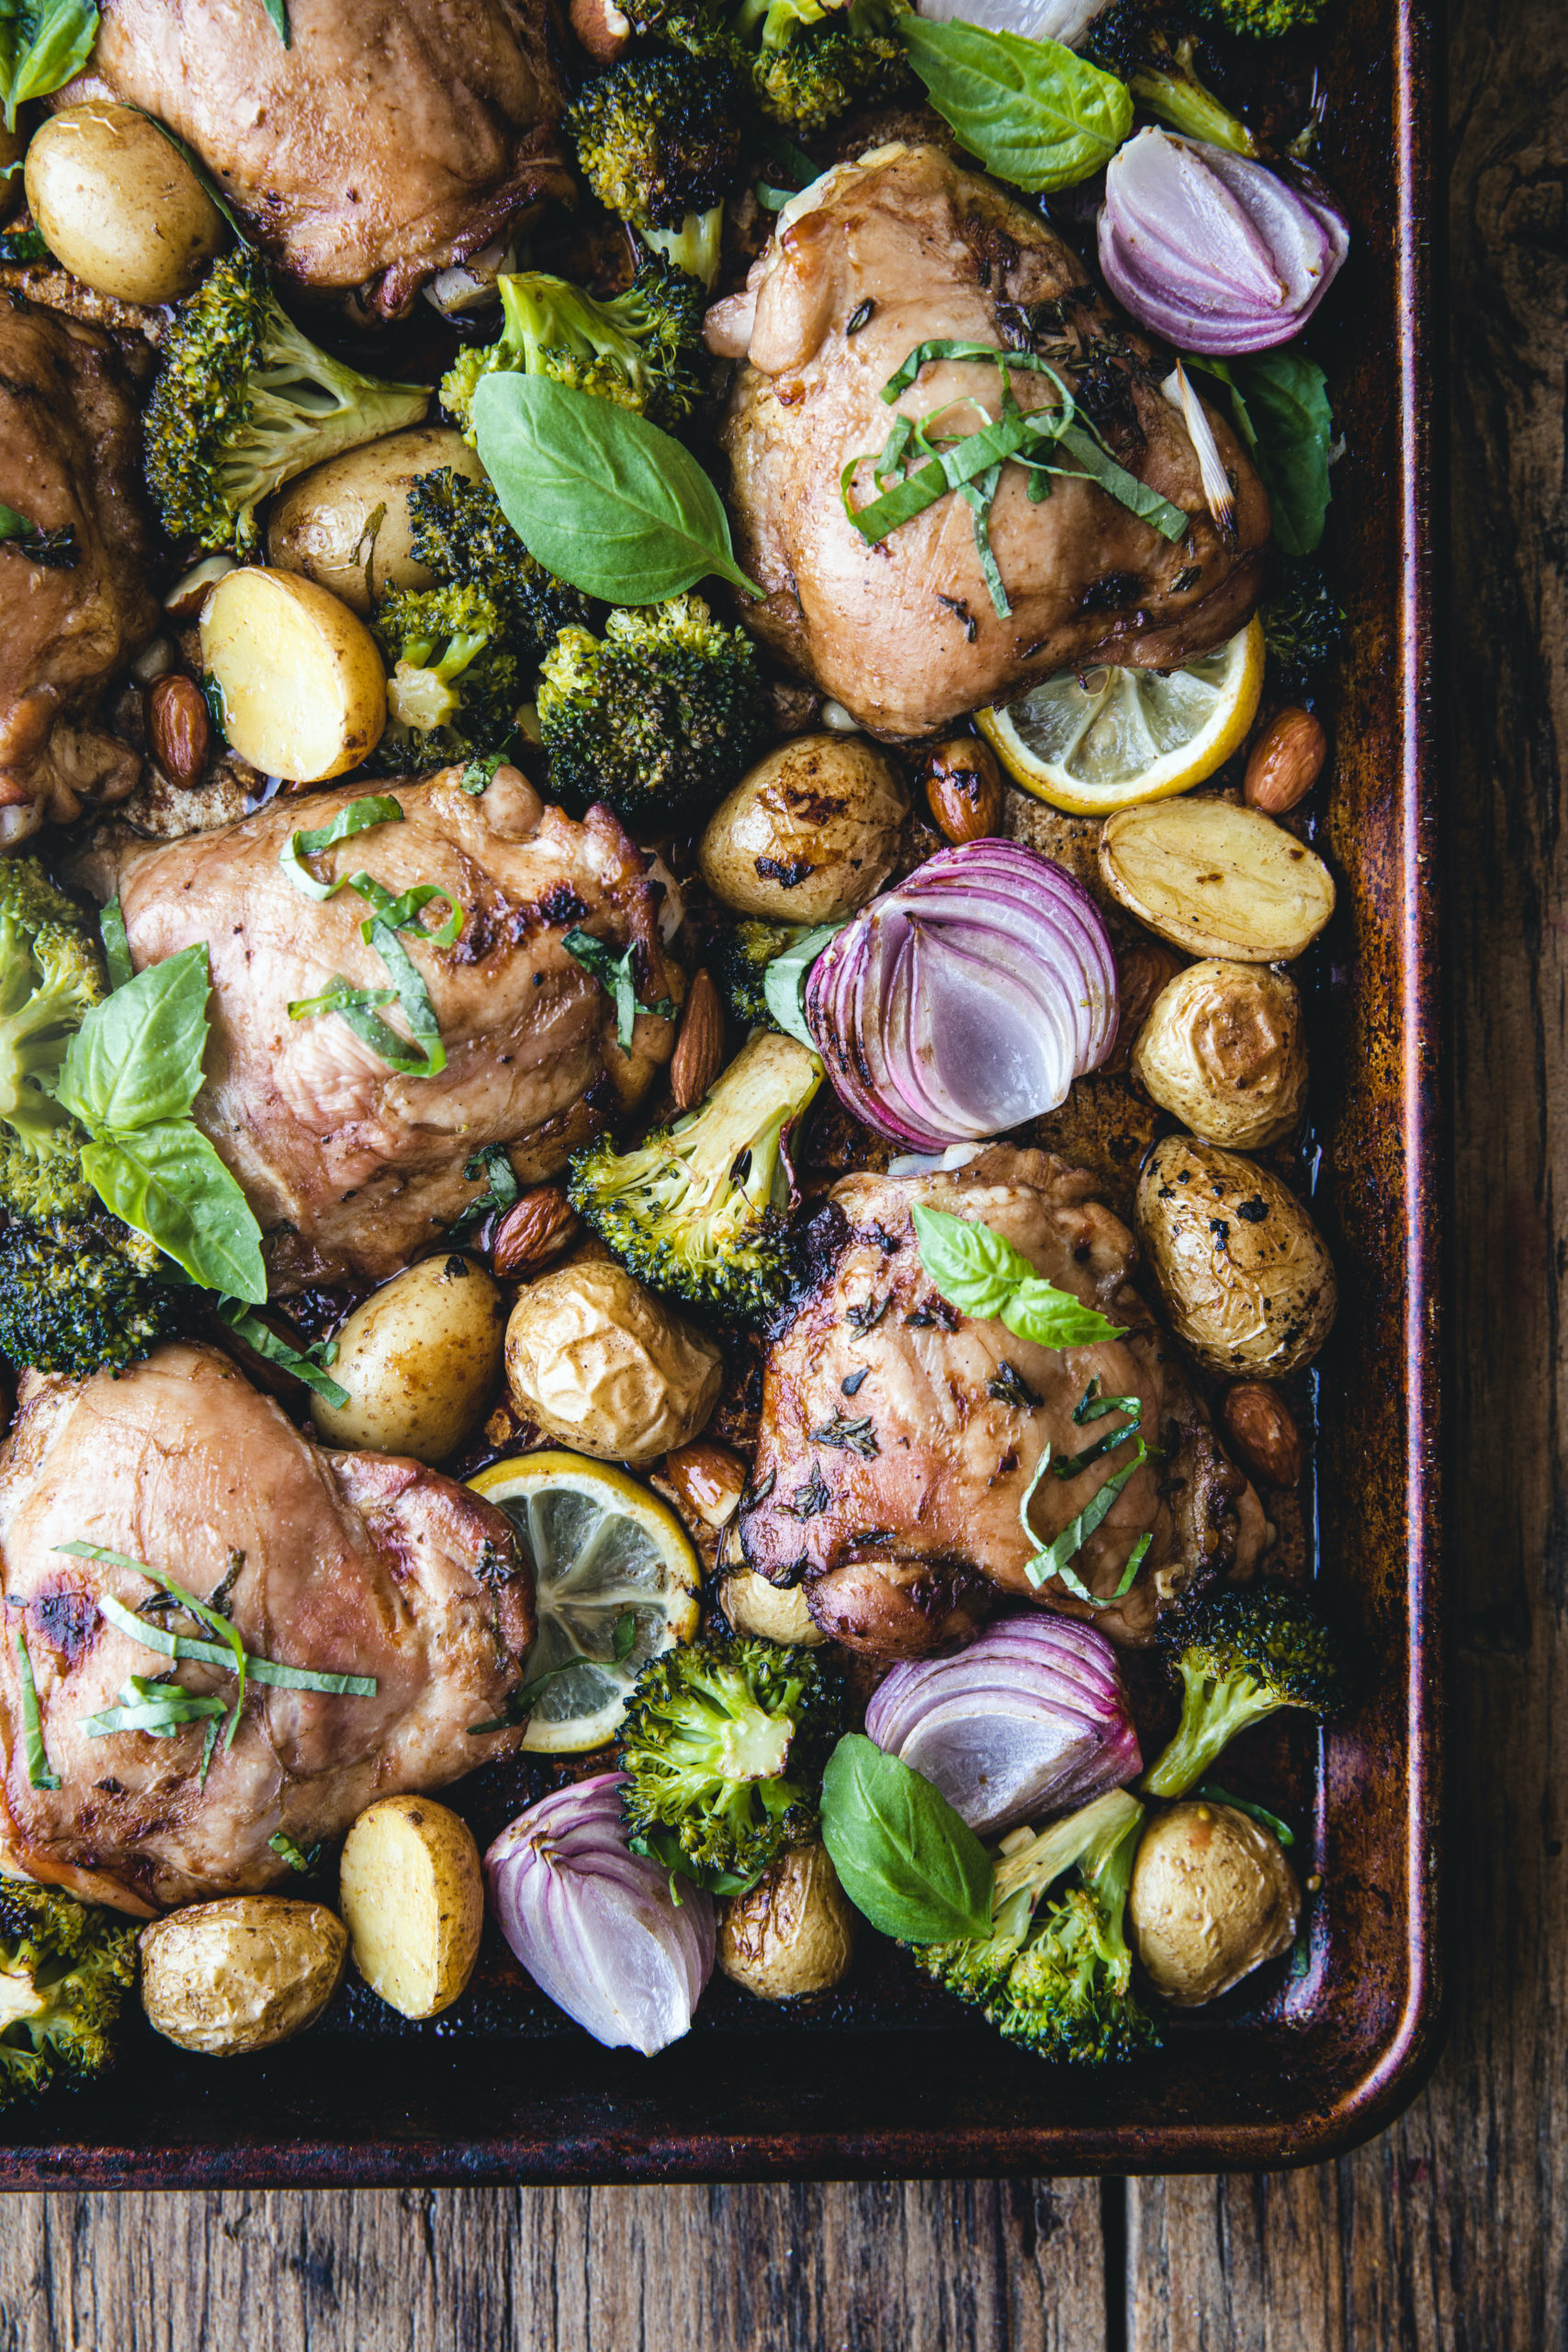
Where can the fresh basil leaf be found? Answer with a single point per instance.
(1031, 110)
(783, 982)
(40, 1775)
(601, 497)
(976, 1268)
(358, 817)
(904, 1858)
(136, 1060)
(117, 947)
(62, 36)
(1282, 404)
(306, 1367)
(167, 1182)
(1054, 1318)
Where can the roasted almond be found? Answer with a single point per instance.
(699, 1048)
(1263, 1432)
(179, 732)
(708, 1478)
(534, 1230)
(964, 787)
(1285, 762)
(602, 28)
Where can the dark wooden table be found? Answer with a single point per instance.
(1450, 2232)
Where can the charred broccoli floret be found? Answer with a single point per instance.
(658, 143)
(1303, 623)
(462, 538)
(659, 717)
(810, 62)
(51, 974)
(701, 1209)
(637, 349)
(741, 966)
(1059, 1982)
(85, 1297)
(65, 1969)
(1154, 55)
(244, 401)
(454, 688)
(722, 1745)
(1242, 1654)
(1267, 19)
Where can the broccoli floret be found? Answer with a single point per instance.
(659, 141)
(1155, 61)
(65, 1969)
(740, 964)
(1267, 19)
(637, 349)
(1059, 1984)
(659, 717)
(701, 1208)
(244, 401)
(462, 538)
(51, 974)
(1242, 1654)
(724, 1746)
(84, 1298)
(1303, 623)
(454, 688)
(809, 63)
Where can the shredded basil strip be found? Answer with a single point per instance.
(374, 809)
(519, 1706)
(358, 1007)
(1055, 1560)
(295, 1856)
(306, 1367)
(117, 947)
(228, 1634)
(160, 1709)
(614, 976)
(1212, 1792)
(38, 1772)
(402, 913)
(493, 1168)
(277, 11)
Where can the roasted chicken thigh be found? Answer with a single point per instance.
(901, 249)
(899, 1438)
(350, 1165)
(339, 1563)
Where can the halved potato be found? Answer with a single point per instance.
(1217, 880)
(300, 680)
(241, 1973)
(346, 525)
(411, 1894)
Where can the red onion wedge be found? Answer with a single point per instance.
(1031, 1719)
(1216, 254)
(966, 1000)
(596, 1926)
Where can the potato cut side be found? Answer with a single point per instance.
(1217, 880)
(412, 1895)
(302, 687)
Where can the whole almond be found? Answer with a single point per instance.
(964, 787)
(699, 1048)
(1285, 762)
(708, 1478)
(534, 1230)
(179, 732)
(602, 28)
(1262, 1429)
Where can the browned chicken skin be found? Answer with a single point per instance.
(69, 459)
(904, 634)
(361, 1164)
(391, 139)
(342, 1563)
(904, 1519)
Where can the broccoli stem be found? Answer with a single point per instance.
(1181, 100)
(694, 246)
(1212, 1715)
(1085, 1838)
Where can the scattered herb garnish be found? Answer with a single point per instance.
(295, 1856)
(43, 44)
(360, 1008)
(1032, 112)
(856, 1382)
(906, 1858)
(38, 1772)
(160, 1709)
(307, 1365)
(492, 1166)
(979, 1271)
(1055, 1558)
(616, 978)
(1213, 1792)
(850, 1437)
(358, 817)
(783, 982)
(868, 1314)
(1007, 1385)
(812, 1498)
(861, 316)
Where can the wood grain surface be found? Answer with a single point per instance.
(1449, 2232)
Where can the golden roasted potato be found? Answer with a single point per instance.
(1212, 1898)
(1222, 1050)
(419, 1359)
(774, 1613)
(118, 205)
(1247, 1282)
(809, 833)
(300, 677)
(411, 1893)
(601, 1364)
(325, 523)
(240, 1974)
(791, 1933)
(1217, 880)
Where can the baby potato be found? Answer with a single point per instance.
(1216, 880)
(118, 205)
(240, 1974)
(791, 1933)
(601, 1364)
(303, 691)
(1212, 1898)
(772, 1612)
(1247, 1282)
(323, 523)
(1222, 1050)
(809, 833)
(411, 1892)
(419, 1359)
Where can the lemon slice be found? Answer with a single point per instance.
(604, 1551)
(1110, 737)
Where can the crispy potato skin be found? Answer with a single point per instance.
(419, 1359)
(323, 523)
(1222, 1050)
(411, 1893)
(809, 833)
(303, 689)
(792, 1933)
(601, 1364)
(221, 1978)
(1248, 1283)
(1212, 1898)
(118, 205)
(1216, 880)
